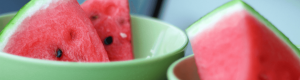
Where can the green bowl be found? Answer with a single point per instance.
(156, 46)
(183, 69)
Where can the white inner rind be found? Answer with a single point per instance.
(35, 6)
(208, 22)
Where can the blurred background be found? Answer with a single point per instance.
(284, 14)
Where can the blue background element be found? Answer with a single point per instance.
(140, 7)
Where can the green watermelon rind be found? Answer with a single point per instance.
(26, 11)
(194, 29)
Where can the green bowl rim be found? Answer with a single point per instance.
(170, 73)
(135, 61)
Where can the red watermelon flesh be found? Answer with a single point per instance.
(61, 25)
(246, 50)
(111, 18)
(239, 46)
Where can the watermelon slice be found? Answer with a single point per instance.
(53, 30)
(234, 42)
(111, 19)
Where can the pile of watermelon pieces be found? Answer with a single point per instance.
(64, 30)
(234, 42)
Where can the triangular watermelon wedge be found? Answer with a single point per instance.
(53, 30)
(234, 42)
(111, 18)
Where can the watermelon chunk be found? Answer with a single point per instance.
(234, 42)
(53, 30)
(111, 19)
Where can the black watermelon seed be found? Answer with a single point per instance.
(58, 53)
(108, 40)
(94, 17)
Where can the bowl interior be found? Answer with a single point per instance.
(154, 39)
(184, 69)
